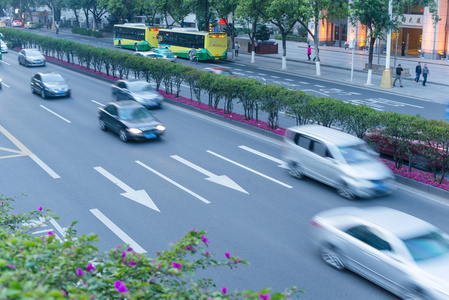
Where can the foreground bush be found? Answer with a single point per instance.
(42, 267)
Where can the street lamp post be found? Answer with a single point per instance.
(386, 76)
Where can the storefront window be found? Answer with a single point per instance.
(414, 10)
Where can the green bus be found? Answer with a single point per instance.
(209, 45)
(135, 36)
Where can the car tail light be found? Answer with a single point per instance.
(316, 224)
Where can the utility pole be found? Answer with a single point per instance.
(386, 76)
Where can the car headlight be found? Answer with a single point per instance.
(135, 130)
(160, 98)
(160, 127)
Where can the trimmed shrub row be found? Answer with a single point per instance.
(411, 139)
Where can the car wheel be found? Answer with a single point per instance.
(331, 257)
(103, 125)
(26, 64)
(20, 63)
(123, 135)
(43, 95)
(344, 191)
(136, 48)
(295, 170)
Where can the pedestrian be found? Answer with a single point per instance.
(399, 70)
(418, 72)
(425, 72)
(255, 46)
(403, 49)
(309, 51)
(237, 47)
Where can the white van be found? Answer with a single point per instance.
(338, 159)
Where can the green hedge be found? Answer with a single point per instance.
(88, 32)
(291, 37)
(410, 137)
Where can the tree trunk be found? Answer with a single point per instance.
(316, 41)
(284, 50)
(86, 13)
(370, 59)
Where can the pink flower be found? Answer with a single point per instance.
(224, 290)
(132, 263)
(120, 287)
(80, 272)
(90, 267)
(205, 240)
(189, 247)
(176, 265)
(207, 253)
(50, 233)
(129, 249)
(265, 296)
(40, 208)
(123, 254)
(228, 255)
(11, 266)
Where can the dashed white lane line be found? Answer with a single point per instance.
(281, 163)
(118, 232)
(4, 84)
(303, 82)
(261, 74)
(251, 72)
(249, 169)
(45, 167)
(4, 62)
(96, 102)
(59, 116)
(320, 86)
(288, 79)
(275, 76)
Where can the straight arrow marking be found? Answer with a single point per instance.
(222, 179)
(276, 160)
(139, 196)
(173, 182)
(249, 169)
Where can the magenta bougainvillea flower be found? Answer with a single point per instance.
(11, 266)
(176, 265)
(80, 272)
(121, 287)
(40, 208)
(224, 290)
(205, 240)
(265, 296)
(228, 255)
(132, 263)
(90, 267)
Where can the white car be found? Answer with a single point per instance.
(399, 252)
(3, 46)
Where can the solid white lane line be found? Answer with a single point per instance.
(4, 62)
(173, 182)
(276, 160)
(118, 232)
(96, 102)
(249, 169)
(4, 84)
(45, 167)
(59, 116)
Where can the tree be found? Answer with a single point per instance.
(373, 14)
(203, 11)
(75, 5)
(282, 13)
(42, 267)
(316, 11)
(98, 9)
(224, 8)
(56, 7)
(122, 9)
(248, 17)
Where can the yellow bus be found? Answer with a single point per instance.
(208, 45)
(135, 36)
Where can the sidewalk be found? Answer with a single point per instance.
(336, 66)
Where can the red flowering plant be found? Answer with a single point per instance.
(45, 267)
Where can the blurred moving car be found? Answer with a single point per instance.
(337, 159)
(31, 57)
(50, 85)
(130, 120)
(30, 25)
(399, 252)
(3, 46)
(2, 24)
(0, 83)
(158, 53)
(139, 91)
(17, 23)
(219, 70)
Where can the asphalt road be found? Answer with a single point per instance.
(54, 155)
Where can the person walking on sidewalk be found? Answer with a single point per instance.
(399, 70)
(309, 51)
(418, 72)
(403, 49)
(425, 72)
(237, 47)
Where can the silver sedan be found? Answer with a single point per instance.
(399, 252)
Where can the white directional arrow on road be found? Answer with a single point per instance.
(281, 163)
(219, 179)
(139, 196)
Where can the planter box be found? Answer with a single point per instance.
(264, 49)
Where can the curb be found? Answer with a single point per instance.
(399, 179)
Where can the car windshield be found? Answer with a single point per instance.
(52, 78)
(225, 72)
(139, 86)
(428, 246)
(33, 53)
(133, 113)
(356, 154)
